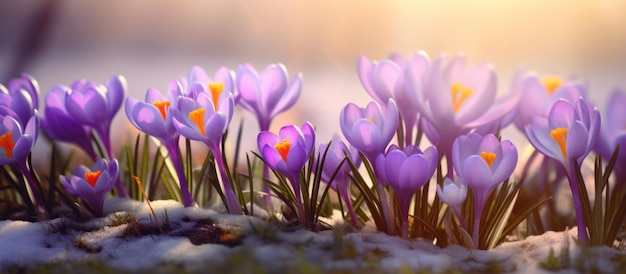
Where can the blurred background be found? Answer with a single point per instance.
(153, 42)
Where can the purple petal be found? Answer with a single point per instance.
(116, 91)
(577, 140)
(289, 98)
(476, 173)
(561, 115)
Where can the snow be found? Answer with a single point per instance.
(26, 244)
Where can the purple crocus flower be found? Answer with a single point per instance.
(539, 93)
(369, 129)
(93, 184)
(287, 153)
(217, 87)
(21, 99)
(613, 132)
(96, 105)
(60, 125)
(483, 162)
(16, 143)
(198, 120)
(567, 135)
(457, 100)
(384, 80)
(268, 94)
(154, 117)
(335, 154)
(406, 171)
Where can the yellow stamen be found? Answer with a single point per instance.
(6, 142)
(371, 120)
(92, 177)
(283, 149)
(459, 95)
(216, 90)
(197, 116)
(551, 83)
(162, 106)
(489, 157)
(559, 135)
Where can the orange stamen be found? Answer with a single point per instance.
(489, 157)
(162, 106)
(283, 149)
(216, 90)
(551, 83)
(371, 120)
(459, 95)
(6, 142)
(92, 177)
(559, 135)
(197, 116)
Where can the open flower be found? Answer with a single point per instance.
(457, 100)
(93, 184)
(16, 142)
(288, 151)
(483, 162)
(335, 154)
(218, 87)
(539, 93)
(569, 132)
(369, 129)
(198, 120)
(268, 94)
(567, 135)
(406, 171)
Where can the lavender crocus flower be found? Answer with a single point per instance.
(406, 171)
(199, 120)
(268, 94)
(613, 133)
(93, 184)
(385, 80)
(483, 162)
(16, 143)
(453, 193)
(369, 129)
(16, 103)
(539, 93)
(21, 98)
(335, 154)
(96, 105)
(287, 153)
(457, 100)
(567, 135)
(61, 126)
(154, 117)
(217, 87)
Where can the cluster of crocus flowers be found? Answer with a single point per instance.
(70, 116)
(266, 95)
(453, 104)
